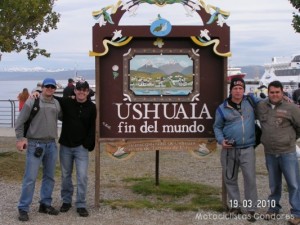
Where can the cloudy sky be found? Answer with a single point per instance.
(260, 29)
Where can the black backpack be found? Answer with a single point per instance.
(298, 100)
(258, 131)
(34, 111)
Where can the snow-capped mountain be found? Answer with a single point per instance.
(30, 69)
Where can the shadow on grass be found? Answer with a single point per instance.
(170, 194)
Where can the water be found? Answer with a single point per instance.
(11, 88)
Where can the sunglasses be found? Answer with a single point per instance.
(50, 86)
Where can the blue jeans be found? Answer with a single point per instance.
(48, 159)
(286, 164)
(68, 156)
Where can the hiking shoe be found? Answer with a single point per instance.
(82, 212)
(48, 210)
(23, 215)
(65, 207)
(294, 221)
(251, 216)
(234, 212)
(270, 215)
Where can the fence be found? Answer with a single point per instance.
(9, 112)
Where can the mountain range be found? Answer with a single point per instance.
(167, 69)
(40, 75)
(251, 71)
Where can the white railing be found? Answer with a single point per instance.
(9, 112)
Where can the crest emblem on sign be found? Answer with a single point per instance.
(160, 27)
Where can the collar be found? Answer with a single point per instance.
(270, 104)
(229, 97)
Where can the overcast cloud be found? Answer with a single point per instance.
(260, 30)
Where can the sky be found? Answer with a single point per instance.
(260, 30)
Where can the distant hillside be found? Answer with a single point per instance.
(253, 71)
(62, 75)
(171, 68)
(167, 69)
(150, 69)
(187, 70)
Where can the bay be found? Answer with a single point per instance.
(10, 89)
(12, 83)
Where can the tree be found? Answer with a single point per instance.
(296, 16)
(21, 21)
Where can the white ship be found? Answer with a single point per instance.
(284, 69)
(76, 78)
(234, 72)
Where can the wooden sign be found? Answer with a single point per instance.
(159, 81)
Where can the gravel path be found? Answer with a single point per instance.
(177, 165)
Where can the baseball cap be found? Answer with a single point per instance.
(82, 85)
(49, 81)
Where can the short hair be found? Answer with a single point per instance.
(276, 84)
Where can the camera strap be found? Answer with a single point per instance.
(234, 164)
(33, 112)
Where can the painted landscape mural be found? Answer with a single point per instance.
(161, 75)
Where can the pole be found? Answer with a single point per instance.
(157, 167)
(97, 147)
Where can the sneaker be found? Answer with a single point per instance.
(82, 212)
(234, 212)
(23, 215)
(294, 221)
(65, 207)
(251, 216)
(270, 215)
(48, 210)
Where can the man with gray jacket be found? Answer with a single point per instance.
(280, 123)
(41, 148)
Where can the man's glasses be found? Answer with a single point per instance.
(50, 86)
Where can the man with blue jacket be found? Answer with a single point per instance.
(234, 129)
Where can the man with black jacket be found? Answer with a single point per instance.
(76, 140)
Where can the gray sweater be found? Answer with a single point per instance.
(44, 124)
